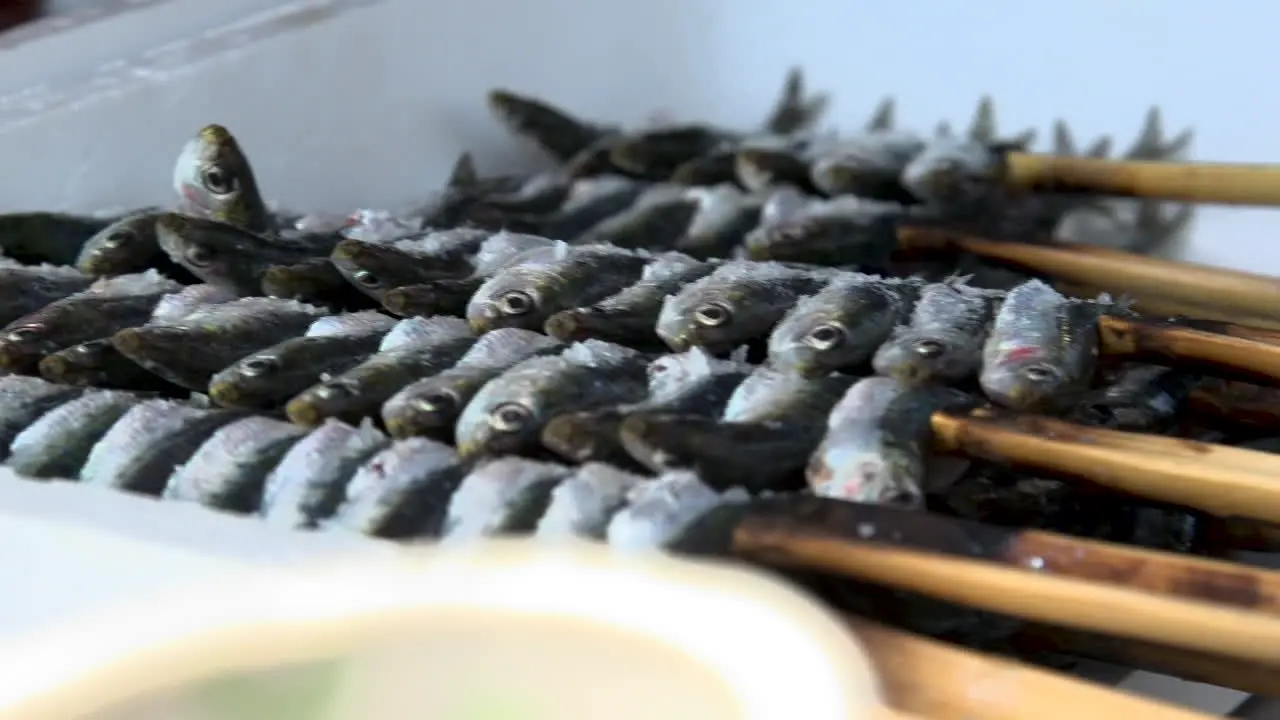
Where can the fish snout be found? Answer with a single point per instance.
(225, 393)
(865, 477)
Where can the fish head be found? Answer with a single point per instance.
(210, 250)
(299, 282)
(951, 172)
(213, 179)
(431, 407)
(254, 381)
(24, 342)
(345, 397)
(507, 415)
(520, 297)
(79, 364)
(718, 317)
(156, 347)
(863, 470)
(1023, 378)
(582, 436)
(758, 168)
(125, 246)
(915, 356)
(364, 265)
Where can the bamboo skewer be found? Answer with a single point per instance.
(1095, 607)
(1231, 291)
(937, 680)
(1205, 318)
(1211, 352)
(1220, 480)
(1220, 183)
(1237, 403)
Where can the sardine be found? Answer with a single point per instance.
(842, 326)
(46, 237)
(309, 482)
(430, 407)
(1042, 349)
(315, 282)
(438, 297)
(230, 469)
(143, 447)
(659, 509)
(877, 442)
(692, 383)
(714, 168)
(657, 153)
(270, 377)
(402, 491)
(1144, 398)
(545, 281)
(795, 109)
(213, 179)
(58, 443)
(404, 356)
(500, 496)
(761, 441)
(24, 289)
(375, 268)
(509, 412)
(109, 305)
(97, 363)
(583, 504)
(840, 232)
(868, 165)
(223, 334)
(629, 317)
(226, 255)
(590, 201)
(128, 245)
(723, 217)
(658, 218)
(177, 305)
(23, 400)
(943, 340)
(553, 130)
(739, 302)
(758, 168)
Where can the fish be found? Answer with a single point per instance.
(868, 165)
(692, 382)
(590, 201)
(544, 281)
(414, 349)
(738, 302)
(269, 377)
(723, 215)
(375, 268)
(1143, 398)
(213, 179)
(501, 496)
(844, 231)
(762, 440)
(758, 167)
(224, 333)
(658, 152)
(108, 305)
(58, 443)
(842, 325)
(23, 400)
(128, 245)
(403, 491)
(1042, 349)
(315, 282)
(944, 338)
(309, 482)
(97, 363)
(583, 503)
(658, 510)
(148, 442)
(714, 168)
(46, 237)
(507, 415)
(877, 442)
(24, 289)
(229, 470)
(430, 406)
(438, 297)
(226, 255)
(795, 110)
(660, 215)
(629, 316)
(177, 305)
(555, 131)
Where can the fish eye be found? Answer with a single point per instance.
(216, 181)
(929, 349)
(657, 368)
(84, 350)
(712, 314)
(1039, 373)
(516, 302)
(825, 337)
(336, 390)
(24, 332)
(198, 255)
(118, 238)
(260, 365)
(509, 417)
(366, 278)
(437, 401)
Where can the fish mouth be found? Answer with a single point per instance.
(305, 412)
(569, 325)
(56, 369)
(226, 394)
(348, 250)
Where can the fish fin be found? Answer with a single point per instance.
(1151, 143)
(463, 175)
(943, 130)
(983, 126)
(1100, 148)
(1063, 143)
(884, 117)
(1158, 231)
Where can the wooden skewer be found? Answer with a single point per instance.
(1232, 291)
(1096, 607)
(1199, 667)
(1237, 403)
(1047, 553)
(937, 680)
(1221, 183)
(1202, 318)
(1210, 352)
(1220, 480)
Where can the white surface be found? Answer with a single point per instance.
(346, 103)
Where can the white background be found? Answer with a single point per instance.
(367, 102)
